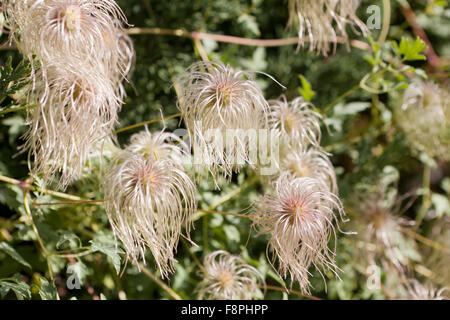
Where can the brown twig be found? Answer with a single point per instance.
(410, 16)
(233, 39)
(290, 291)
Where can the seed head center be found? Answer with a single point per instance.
(225, 279)
(72, 17)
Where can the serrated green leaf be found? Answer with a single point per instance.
(106, 244)
(20, 288)
(306, 90)
(68, 238)
(411, 51)
(5, 247)
(47, 291)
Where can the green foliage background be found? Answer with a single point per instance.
(363, 140)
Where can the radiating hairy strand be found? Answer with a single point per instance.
(228, 277)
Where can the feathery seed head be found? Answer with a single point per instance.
(424, 116)
(158, 146)
(379, 227)
(228, 277)
(75, 110)
(322, 22)
(148, 202)
(295, 120)
(299, 217)
(215, 99)
(74, 32)
(312, 163)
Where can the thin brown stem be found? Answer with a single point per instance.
(424, 240)
(164, 286)
(27, 186)
(233, 39)
(290, 291)
(141, 124)
(62, 203)
(39, 239)
(410, 16)
(17, 109)
(426, 202)
(196, 260)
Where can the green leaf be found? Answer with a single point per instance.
(47, 291)
(5, 247)
(20, 288)
(441, 204)
(250, 23)
(13, 79)
(70, 239)
(106, 244)
(410, 51)
(306, 90)
(232, 233)
(351, 108)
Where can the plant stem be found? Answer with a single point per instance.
(205, 221)
(72, 255)
(200, 49)
(164, 286)
(140, 124)
(28, 186)
(426, 181)
(340, 98)
(226, 213)
(196, 260)
(424, 240)
(386, 20)
(17, 109)
(410, 16)
(232, 39)
(290, 292)
(39, 239)
(89, 202)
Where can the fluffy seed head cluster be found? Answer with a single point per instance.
(73, 32)
(84, 56)
(379, 228)
(299, 211)
(295, 121)
(215, 99)
(149, 198)
(424, 116)
(322, 22)
(299, 216)
(228, 277)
